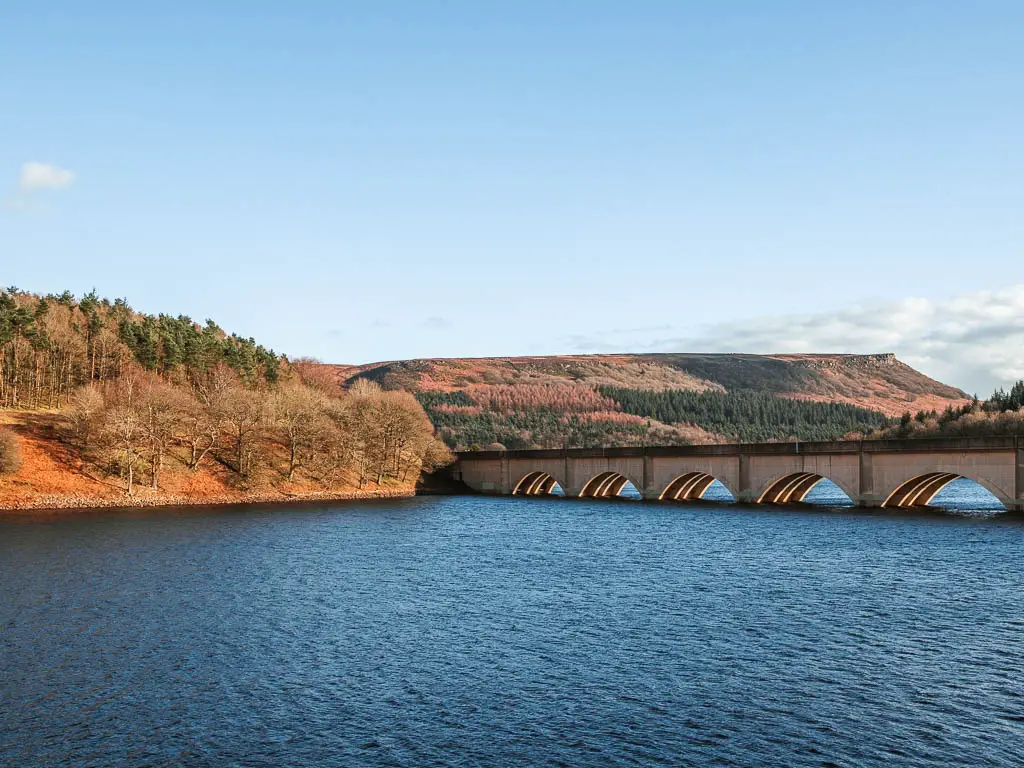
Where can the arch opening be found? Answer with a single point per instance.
(609, 485)
(826, 493)
(695, 486)
(945, 490)
(805, 488)
(538, 484)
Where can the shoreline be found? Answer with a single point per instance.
(59, 503)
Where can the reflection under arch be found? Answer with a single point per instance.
(607, 485)
(797, 488)
(538, 484)
(692, 486)
(924, 490)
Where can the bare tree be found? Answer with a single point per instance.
(83, 418)
(364, 388)
(161, 407)
(125, 435)
(200, 430)
(316, 375)
(243, 412)
(122, 431)
(335, 446)
(300, 420)
(392, 432)
(435, 455)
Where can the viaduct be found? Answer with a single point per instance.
(873, 473)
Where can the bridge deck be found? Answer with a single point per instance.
(908, 445)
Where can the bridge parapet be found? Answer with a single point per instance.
(903, 445)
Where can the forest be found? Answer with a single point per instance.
(139, 395)
(1001, 414)
(465, 424)
(52, 345)
(747, 416)
(578, 415)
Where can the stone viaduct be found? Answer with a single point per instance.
(873, 473)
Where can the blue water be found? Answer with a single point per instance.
(512, 632)
(962, 496)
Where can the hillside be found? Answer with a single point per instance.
(1002, 414)
(658, 398)
(100, 403)
(52, 474)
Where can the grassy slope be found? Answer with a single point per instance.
(876, 382)
(53, 477)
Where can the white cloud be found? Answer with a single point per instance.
(436, 323)
(34, 178)
(974, 341)
(37, 176)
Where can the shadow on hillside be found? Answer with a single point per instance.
(43, 429)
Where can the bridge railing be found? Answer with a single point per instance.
(901, 445)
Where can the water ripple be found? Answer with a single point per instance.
(483, 632)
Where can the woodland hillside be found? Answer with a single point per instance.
(595, 400)
(1000, 414)
(100, 400)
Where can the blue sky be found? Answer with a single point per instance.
(376, 180)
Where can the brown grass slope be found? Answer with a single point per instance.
(53, 476)
(879, 382)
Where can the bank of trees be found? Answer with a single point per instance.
(1000, 414)
(745, 415)
(52, 345)
(138, 425)
(141, 395)
(576, 415)
(1002, 401)
(536, 418)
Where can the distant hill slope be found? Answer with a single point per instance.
(658, 398)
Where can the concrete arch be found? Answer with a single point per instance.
(690, 486)
(794, 487)
(537, 483)
(606, 485)
(918, 491)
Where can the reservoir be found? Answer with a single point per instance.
(475, 631)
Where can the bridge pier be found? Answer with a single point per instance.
(745, 493)
(1018, 479)
(866, 483)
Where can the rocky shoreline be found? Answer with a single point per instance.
(66, 503)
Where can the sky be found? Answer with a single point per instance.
(361, 181)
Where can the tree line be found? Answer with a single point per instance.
(134, 426)
(555, 416)
(52, 345)
(465, 424)
(1001, 414)
(745, 415)
(140, 395)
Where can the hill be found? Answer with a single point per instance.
(99, 402)
(657, 398)
(102, 401)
